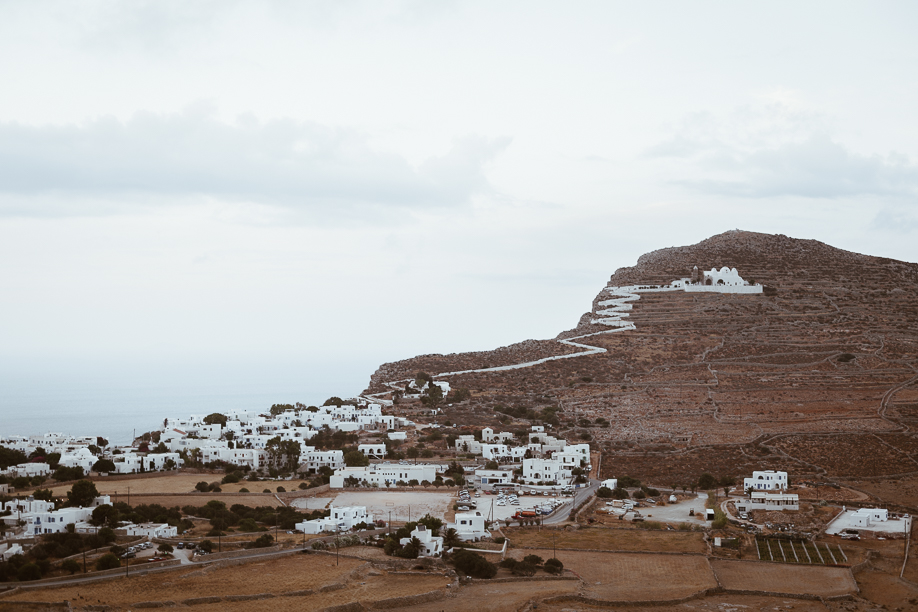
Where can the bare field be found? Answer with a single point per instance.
(636, 540)
(784, 578)
(276, 576)
(199, 500)
(499, 596)
(719, 603)
(177, 483)
(635, 576)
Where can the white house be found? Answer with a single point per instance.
(377, 451)
(339, 519)
(767, 480)
(7, 551)
(488, 435)
(431, 545)
(350, 516)
(494, 476)
(314, 459)
(151, 530)
(496, 452)
(469, 526)
(398, 435)
(545, 470)
(762, 500)
(383, 474)
(468, 444)
(28, 470)
(610, 483)
(80, 457)
(865, 517)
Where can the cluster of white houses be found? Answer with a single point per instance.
(241, 441)
(40, 517)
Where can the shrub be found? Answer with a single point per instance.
(604, 492)
(70, 565)
(281, 490)
(107, 562)
(533, 559)
(202, 487)
(243, 490)
(29, 571)
(554, 566)
(473, 564)
(206, 545)
(524, 569)
(107, 534)
(262, 541)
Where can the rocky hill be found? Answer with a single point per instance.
(819, 374)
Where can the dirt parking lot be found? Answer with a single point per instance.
(784, 578)
(402, 504)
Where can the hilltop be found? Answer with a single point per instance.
(817, 374)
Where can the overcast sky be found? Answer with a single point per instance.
(306, 184)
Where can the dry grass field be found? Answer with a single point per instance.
(597, 538)
(176, 483)
(635, 576)
(499, 596)
(784, 578)
(276, 576)
(717, 603)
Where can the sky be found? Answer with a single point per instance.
(234, 194)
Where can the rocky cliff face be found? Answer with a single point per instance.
(820, 374)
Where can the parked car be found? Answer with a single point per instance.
(180, 545)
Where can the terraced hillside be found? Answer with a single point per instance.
(819, 374)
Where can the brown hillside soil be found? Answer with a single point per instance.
(819, 377)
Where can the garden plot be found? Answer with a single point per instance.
(801, 551)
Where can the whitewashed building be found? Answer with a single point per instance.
(767, 480)
(431, 545)
(763, 500)
(375, 451)
(469, 526)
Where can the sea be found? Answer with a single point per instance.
(121, 403)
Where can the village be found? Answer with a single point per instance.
(349, 478)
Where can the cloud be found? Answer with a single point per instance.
(815, 168)
(776, 150)
(284, 163)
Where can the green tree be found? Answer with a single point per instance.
(356, 459)
(333, 401)
(278, 409)
(106, 514)
(706, 482)
(71, 565)
(82, 493)
(215, 418)
(108, 561)
(104, 465)
(283, 454)
(29, 571)
(11, 456)
(413, 452)
(472, 564)
(165, 549)
(604, 492)
(433, 396)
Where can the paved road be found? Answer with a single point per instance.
(580, 495)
